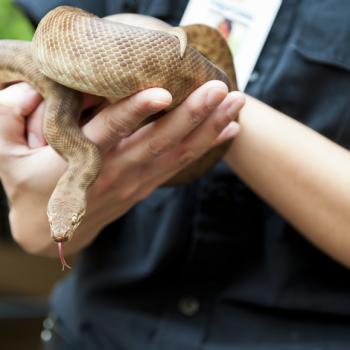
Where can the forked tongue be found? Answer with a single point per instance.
(61, 255)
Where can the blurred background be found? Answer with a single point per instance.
(25, 281)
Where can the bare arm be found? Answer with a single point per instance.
(300, 173)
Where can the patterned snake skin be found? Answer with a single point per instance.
(74, 51)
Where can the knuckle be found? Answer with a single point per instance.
(197, 113)
(16, 186)
(138, 107)
(220, 123)
(185, 157)
(158, 145)
(120, 127)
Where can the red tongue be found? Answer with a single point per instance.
(61, 255)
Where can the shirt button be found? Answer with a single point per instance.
(254, 77)
(48, 323)
(46, 335)
(188, 306)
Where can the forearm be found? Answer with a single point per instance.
(300, 173)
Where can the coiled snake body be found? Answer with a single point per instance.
(73, 51)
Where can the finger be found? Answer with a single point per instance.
(228, 133)
(119, 120)
(200, 140)
(35, 124)
(22, 98)
(16, 102)
(160, 136)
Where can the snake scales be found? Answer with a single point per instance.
(74, 51)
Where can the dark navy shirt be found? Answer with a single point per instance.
(209, 265)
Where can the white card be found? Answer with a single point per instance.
(244, 23)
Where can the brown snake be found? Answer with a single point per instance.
(74, 51)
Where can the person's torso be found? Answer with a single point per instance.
(210, 260)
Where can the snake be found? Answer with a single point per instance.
(74, 52)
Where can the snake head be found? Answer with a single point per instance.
(64, 217)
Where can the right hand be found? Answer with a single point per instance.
(134, 163)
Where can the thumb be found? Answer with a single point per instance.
(16, 102)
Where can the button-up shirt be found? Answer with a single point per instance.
(209, 265)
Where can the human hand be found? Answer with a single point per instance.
(134, 163)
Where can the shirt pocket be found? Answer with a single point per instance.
(325, 33)
(323, 45)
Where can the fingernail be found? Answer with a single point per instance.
(158, 104)
(33, 140)
(162, 100)
(215, 96)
